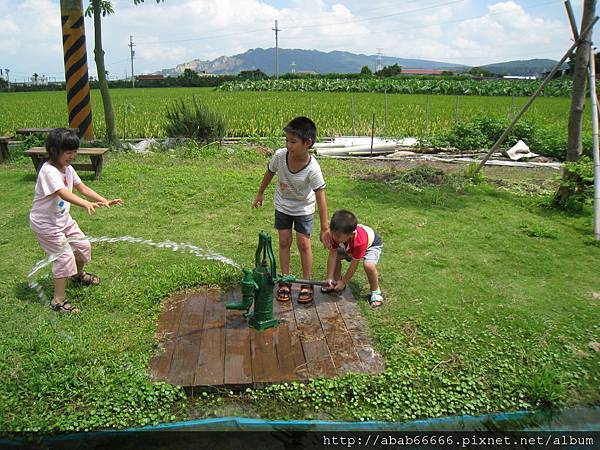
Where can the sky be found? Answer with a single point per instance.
(470, 32)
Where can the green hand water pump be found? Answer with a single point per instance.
(258, 285)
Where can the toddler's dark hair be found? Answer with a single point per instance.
(61, 140)
(343, 221)
(304, 128)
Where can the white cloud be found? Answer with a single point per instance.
(176, 31)
(507, 31)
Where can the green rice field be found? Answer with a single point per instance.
(141, 112)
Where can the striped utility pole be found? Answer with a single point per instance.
(76, 67)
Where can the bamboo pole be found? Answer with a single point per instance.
(427, 115)
(572, 19)
(532, 98)
(386, 110)
(353, 130)
(372, 133)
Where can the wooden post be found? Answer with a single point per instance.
(76, 67)
(310, 106)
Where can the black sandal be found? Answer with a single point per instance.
(86, 279)
(306, 294)
(64, 307)
(284, 292)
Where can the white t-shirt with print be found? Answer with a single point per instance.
(49, 212)
(295, 191)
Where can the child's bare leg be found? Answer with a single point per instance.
(60, 284)
(372, 275)
(337, 272)
(305, 249)
(79, 262)
(285, 243)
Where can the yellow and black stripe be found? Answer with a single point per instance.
(76, 69)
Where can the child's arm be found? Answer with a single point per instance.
(331, 262)
(258, 201)
(341, 284)
(68, 196)
(91, 194)
(325, 235)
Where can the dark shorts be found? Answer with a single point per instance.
(302, 224)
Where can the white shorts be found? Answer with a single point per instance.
(372, 255)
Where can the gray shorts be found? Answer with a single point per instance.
(302, 224)
(372, 255)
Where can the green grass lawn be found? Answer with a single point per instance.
(492, 301)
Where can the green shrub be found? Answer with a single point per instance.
(471, 176)
(482, 133)
(195, 122)
(576, 187)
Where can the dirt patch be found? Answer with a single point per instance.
(538, 180)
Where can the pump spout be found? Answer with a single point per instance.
(249, 287)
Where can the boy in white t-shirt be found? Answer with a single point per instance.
(51, 221)
(300, 187)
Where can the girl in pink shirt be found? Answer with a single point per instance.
(51, 221)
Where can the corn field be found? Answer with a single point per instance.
(141, 112)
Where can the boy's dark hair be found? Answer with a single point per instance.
(304, 128)
(343, 221)
(61, 140)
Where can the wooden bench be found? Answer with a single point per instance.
(29, 131)
(4, 153)
(39, 156)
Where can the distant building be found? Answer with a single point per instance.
(421, 72)
(518, 77)
(306, 72)
(150, 77)
(39, 80)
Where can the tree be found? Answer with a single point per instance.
(191, 74)
(366, 71)
(99, 9)
(389, 71)
(479, 72)
(580, 76)
(252, 74)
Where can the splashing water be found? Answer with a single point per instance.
(174, 246)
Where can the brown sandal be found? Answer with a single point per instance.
(86, 279)
(306, 294)
(284, 292)
(64, 307)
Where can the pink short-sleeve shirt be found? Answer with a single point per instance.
(50, 213)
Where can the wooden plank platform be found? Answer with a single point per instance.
(202, 344)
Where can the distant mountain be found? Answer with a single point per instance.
(302, 61)
(297, 60)
(530, 67)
